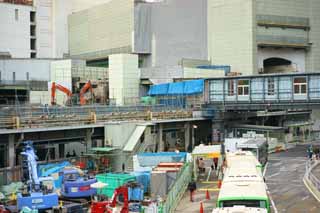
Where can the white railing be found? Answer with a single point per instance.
(309, 176)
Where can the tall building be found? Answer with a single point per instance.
(164, 34)
(37, 28)
(265, 36)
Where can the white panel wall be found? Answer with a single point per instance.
(231, 34)
(44, 30)
(40, 97)
(38, 69)
(124, 78)
(15, 34)
(101, 28)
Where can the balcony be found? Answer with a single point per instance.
(283, 22)
(21, 2)
(282, 41)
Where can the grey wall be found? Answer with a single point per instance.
(179, 30)
(38, 69)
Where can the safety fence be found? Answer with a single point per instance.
(178, 189)
(311, 180)
(37, 117)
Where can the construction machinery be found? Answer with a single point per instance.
(37, 193)
(84, 89)
(75, 186)
(101, 206)
(63, 89)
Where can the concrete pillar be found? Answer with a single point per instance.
(88, 139)
(187, 136)
(11, 151)
(160, 138)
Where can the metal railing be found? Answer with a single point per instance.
(310, 165)
(178, 189)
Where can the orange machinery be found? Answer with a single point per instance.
(63, 89)
(83, 90)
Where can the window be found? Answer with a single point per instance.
(33, 55)
(247, 203)
(14, 76)
(32, 16)
(231, 87)
(300, 85)
(243, 87)
(16, 14)
(271, 86)
(33, 44)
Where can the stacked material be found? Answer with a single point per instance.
(163, 177)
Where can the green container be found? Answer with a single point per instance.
(148, 100)
(113, 181)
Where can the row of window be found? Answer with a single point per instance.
(14, 76)
(243, 86)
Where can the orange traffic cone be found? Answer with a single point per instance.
(219, 184)
(201, 207)
(208, 195)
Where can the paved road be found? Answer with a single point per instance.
(284, 176)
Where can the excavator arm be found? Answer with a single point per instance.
(83, 90)
(63, 89)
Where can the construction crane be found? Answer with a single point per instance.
(36, 194)
(84, 89)
(63, 89)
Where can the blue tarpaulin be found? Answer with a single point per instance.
(153, 159)
(180, 88)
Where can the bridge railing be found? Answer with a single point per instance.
(311, 180)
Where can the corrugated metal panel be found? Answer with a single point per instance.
(134, 138)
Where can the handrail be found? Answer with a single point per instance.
(311, 181)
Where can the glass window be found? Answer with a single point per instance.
(300, 85)
(16, 14)
(270, 86)
(231, 87)
(243, 87)
(247, 203)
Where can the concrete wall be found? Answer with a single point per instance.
(101, 28)
(38, 69)
(178, 31)
(231, 34)
(15, 34)
(39, 97)
(117, 134)
(124, 78)
(296, 8)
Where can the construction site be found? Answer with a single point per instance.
(138, 106)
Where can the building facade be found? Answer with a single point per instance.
(263, 36)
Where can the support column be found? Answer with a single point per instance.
(11, 151)
(89, 133)
(187, 136)
(160, 138)
(11, 157)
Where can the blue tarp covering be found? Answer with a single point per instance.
(48, 169)
(143, 178)
(153, 159)
(180, 88)
(160, 89)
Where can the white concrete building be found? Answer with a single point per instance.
(38, 28)
(265, 36)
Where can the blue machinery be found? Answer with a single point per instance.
(35, 194)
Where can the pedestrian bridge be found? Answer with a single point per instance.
(261, 92)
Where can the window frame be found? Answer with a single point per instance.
(244, 88)
(297, 86)
(231, 87)
(271, 86)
